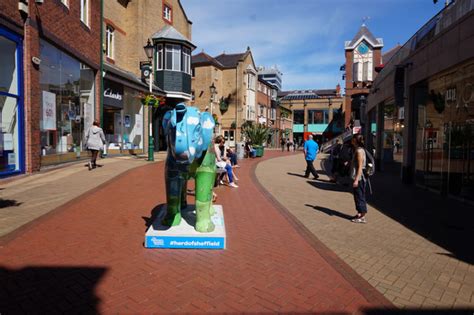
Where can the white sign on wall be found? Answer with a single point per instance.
(49, 111)
(138, 124)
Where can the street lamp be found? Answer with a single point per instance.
(213, 91)
(151, 148)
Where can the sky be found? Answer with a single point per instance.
(304, 38)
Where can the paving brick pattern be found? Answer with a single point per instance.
(407, 268)
(88, 256)
(29, 197)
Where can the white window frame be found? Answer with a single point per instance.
(109, 41)
(175, 53)
(167, 12)
(85, 12)
(159, 57)
(186, 60)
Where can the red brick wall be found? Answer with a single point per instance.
(61, 26)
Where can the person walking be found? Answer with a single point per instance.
(310, 152)
(336, 150)
(95, 140)
(282, 143)
(359, 181)
(288, 144)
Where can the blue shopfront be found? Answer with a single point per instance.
(12, 153)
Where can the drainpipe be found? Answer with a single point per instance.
(101, 63)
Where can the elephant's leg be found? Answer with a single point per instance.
(205, 178)
(184, 194)
(174, 186)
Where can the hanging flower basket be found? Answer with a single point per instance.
(153, 100)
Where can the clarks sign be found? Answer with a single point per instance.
(113, 94)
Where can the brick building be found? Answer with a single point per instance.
(363, 55)
(267, 109)
(313, 111)
(235, 78)
(49, 82)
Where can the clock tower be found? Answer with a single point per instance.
(363, 54)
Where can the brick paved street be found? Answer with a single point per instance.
(86, 256)
(29, 197)
(415, 261)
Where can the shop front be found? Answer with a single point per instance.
(67, 105)
(11, 104)
(445, 133)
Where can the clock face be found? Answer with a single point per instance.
(363, 48)
(146, 73)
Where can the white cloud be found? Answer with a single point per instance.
(192, 121)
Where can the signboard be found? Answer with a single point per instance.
(49, 111)
(113, 94)
(138, 124)
(127, 121)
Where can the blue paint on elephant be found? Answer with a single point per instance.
(188, 132)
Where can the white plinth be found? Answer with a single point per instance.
(184, 235)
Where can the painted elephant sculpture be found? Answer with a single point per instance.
(189, 134)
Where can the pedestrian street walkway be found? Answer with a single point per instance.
(88, 256)
(26, 198)
(416, 248)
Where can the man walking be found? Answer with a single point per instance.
(311, 149)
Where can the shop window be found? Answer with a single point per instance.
(298, 117)
(67, 102)
(10, 106)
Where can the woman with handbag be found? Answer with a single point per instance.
(95, 140)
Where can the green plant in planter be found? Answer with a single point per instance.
(256, 133)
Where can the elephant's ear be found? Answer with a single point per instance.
(169, 120)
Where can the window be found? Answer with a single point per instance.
(251, 81)
(173, 57)
(273, 114)
(167, 13)
(318, 116)
(109, 41)
(85, 12)
(186, 60)
(365, 71)
(159, 61)
(262, 111)
(355, 72)
(298, 117)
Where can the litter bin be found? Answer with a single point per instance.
(240, 150)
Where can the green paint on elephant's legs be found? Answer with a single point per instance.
(203, 218)
(173, 214)
(205, 177)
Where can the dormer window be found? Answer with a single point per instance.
(167, 13)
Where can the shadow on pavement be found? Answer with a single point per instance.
(50, 290)
(327, 185)
(406, 311)
(444, 221)
(5, 203)
(330, 212)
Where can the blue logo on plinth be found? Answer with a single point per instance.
(184, 242)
